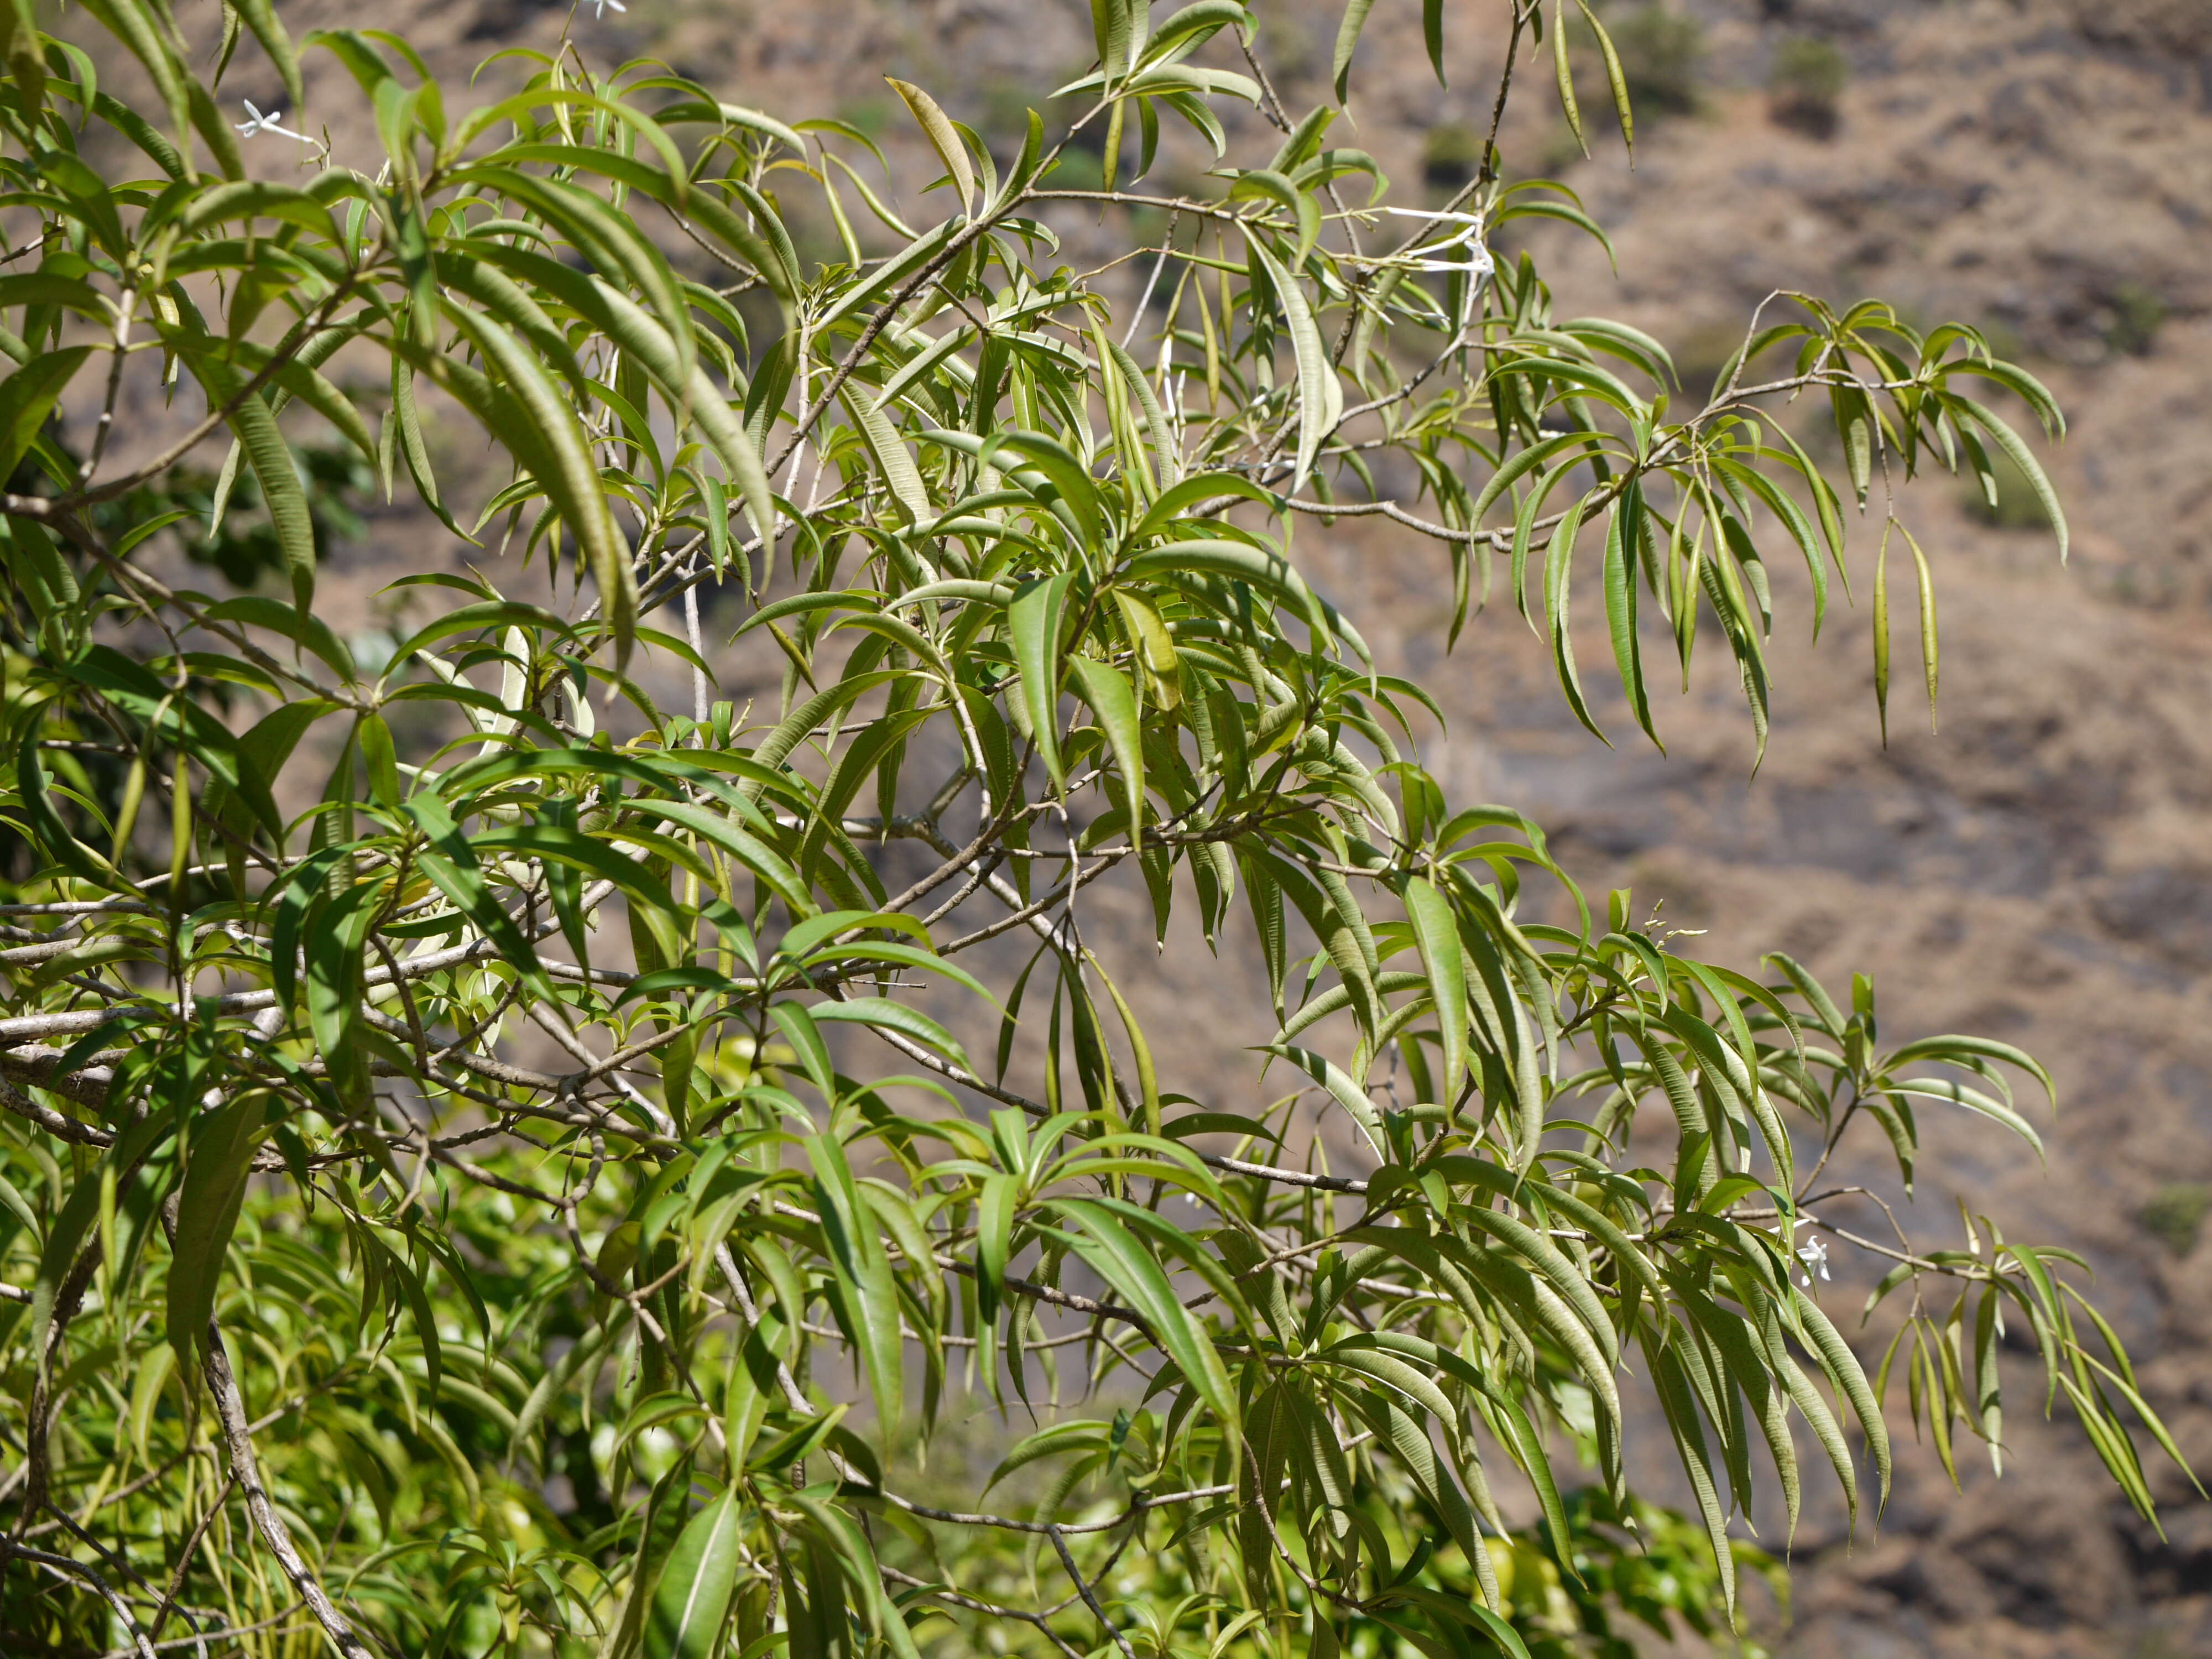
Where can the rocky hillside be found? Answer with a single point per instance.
(2040, 870)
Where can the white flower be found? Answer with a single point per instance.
(269, 122)
(1814, 1253)
(599, 7)
(1477, 265)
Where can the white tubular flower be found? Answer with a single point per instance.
(1814, 1253)
(599, 7)
(259, 124)
(1477, 265)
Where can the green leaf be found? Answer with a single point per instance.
(938, 129)
(20, 45)
(1957, 1050)
(1435, 935)
(454, 870)
(574, 848)
(1198, 488)
(27, 397)
(637, 331)
(1622, 532)
(657, 1535)
(1341, 1088)
(1321, 395)
(1107, 690)
(1347, 38)
(1100, 1239)
(223, 1142)
(1682, 1413)
(1842, 1369)
(1928, 651)
(691, 1603)
(995, 1222)
(888, 1015)
(1240, 561)
(1113, 27)
(335, 939)
(254, 424)
(886, 445)
(1033, 621)
(1881, 633)
(1615, 78)
(302, 628)
(2024, 459)
(1558, 562)
(540, 427)
(261, 17)
(867, 1297)
(1563, 73)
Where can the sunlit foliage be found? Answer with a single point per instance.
(495, 1163)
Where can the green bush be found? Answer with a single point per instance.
(1805, 83)
(2175, 1215)
(1451, 154)
(2138, 313)
(505, 1152)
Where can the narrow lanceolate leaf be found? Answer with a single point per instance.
(636, 330)
(1682, 1413)
(1615, 78)
(1107, 690)
(1843, 1368)
(1341, 1088)
(1988, 1391)
(1148, 1079)
(250, 419)
(1348, 40)
(994, 1222)
(2023, 458)
(1881, 633)
(691, 1602)
(27, 397)
(938, 130)
(1855, 425)
(1133, 1270)
(1927, 646)
(554, 447)
(260, 16)
(216, 1168)
(335, 939)
(20, 46)
(1034, 621)
(1620, 601)
(1564, 74)
(1435, 935)
(1957, 1050)
(1559, 565)
(1113, 28)
(1432, 35)
(886, 446)
(867, 1294)
(1321, 395)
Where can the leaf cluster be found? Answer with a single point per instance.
(492, 1162)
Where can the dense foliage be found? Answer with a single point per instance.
(494, 1164)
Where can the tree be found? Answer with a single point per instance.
(338, 1314)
